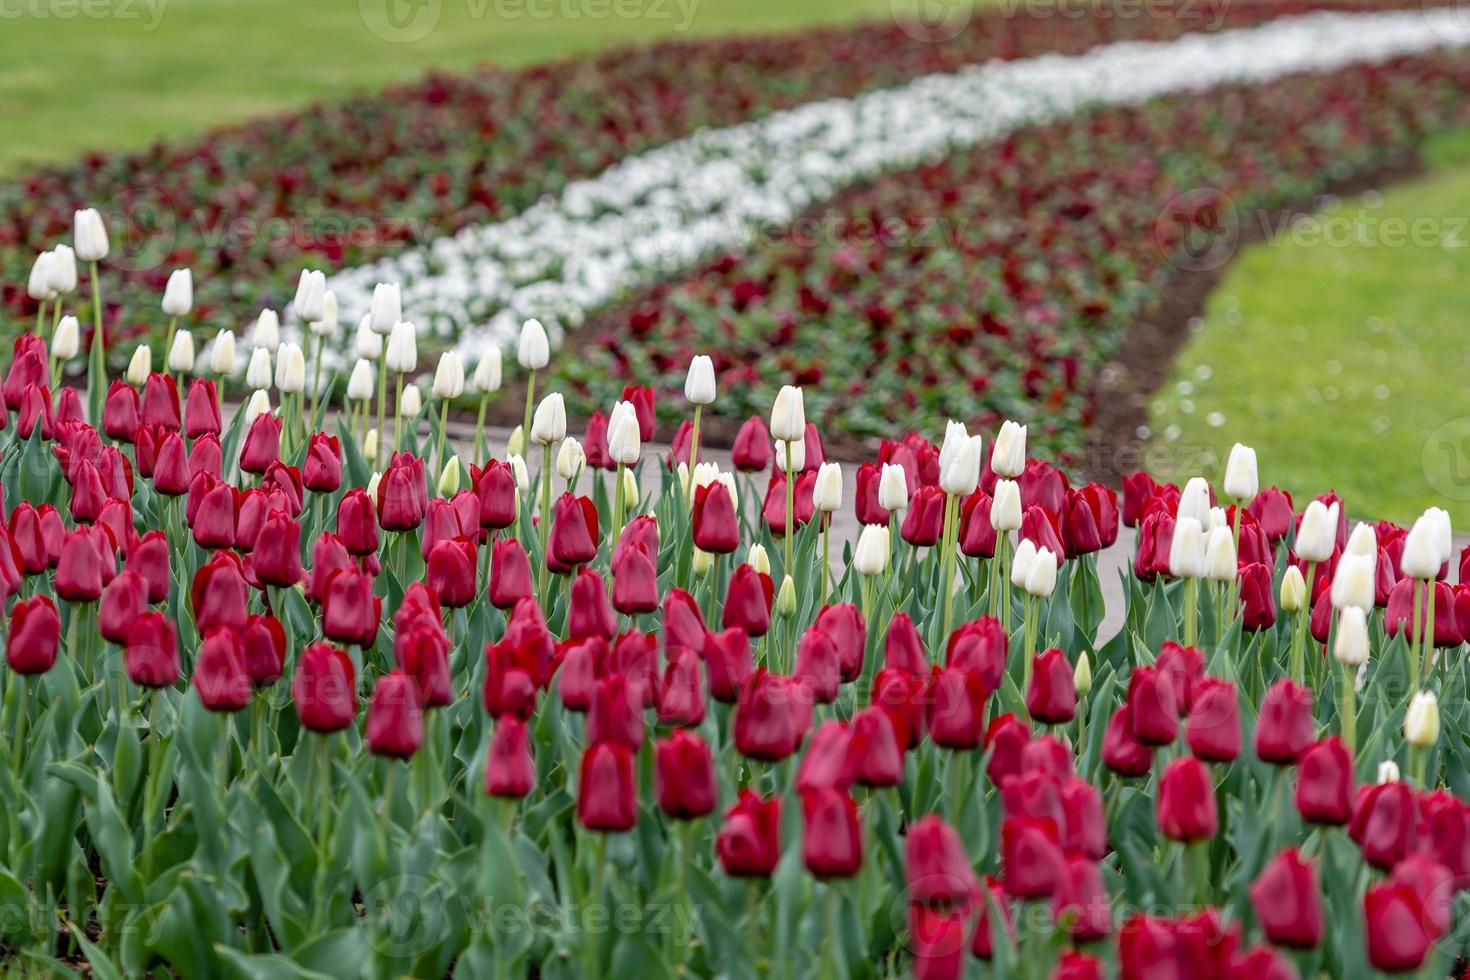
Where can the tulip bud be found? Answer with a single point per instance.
(258, 405)
(758, 559)
(1187, 549)
(703, 562)
(311, 296)
(181, 354)
(699, 383)
(1388, 771)
(1242, 480)
(1008, 454)
(1220, 562)
(788, 415)
(624, 442)
(1350, 646)
(786, 598)
(1194, 501)
(1421, 723)
(403, 350)
(1005, 506)
(871, 555)
(518, 468)
(376, 478)
(62, 269)
(1355, 581)
(515, 443)
(370, 445)
(534, 350)
(1439, 521)
(66, 339)
(1082, 675)
(89, 235)
(487, 372)
(1420, 558)
(630, 492)
(893, 488)
(449, 478)
(960, 474)
(410, 403)
(1293, 590)
(222, 353)
(1363, 541)
(140, 366)
(178, 295)
(570, 459)
(267, 333)
(360, 382)
(258, 372)
(38, 286)
(1218, 518)
(1041, 576)
(1316, 538)
(449, 376)
(791, 456)
(827, 494)
(1021, 562)
(326, 324)
(290, 369)
(386, 309)
(549, 425)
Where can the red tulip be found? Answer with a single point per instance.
(685, 775)
(936, 864)
(817, 666)
(201, 409)
(1186, 801)
(1121, 751)
(78, 572)
(992, 899)
(357, 522)
(277, 556)
(1285, 727)
(1383, 823)
(832, 843)
(322, 470)
(1081, 901)
(161, 402)
(510, 772)
(594, 443)
(124, 600)
(395, 722)
(616, 714)
(606, 795)
(87, 494)
(1257, 598)
(1213, 731)
(1148, 950)
(403, 494)
(219, 672)
(1444, 832)
(121, 413)
(263, 645)
(1085, 831)
(681, 693)
(749, 843)
(1032, 857)
(262, 445)
(716, 528)
(1005, 738)
(219, 594)
(977, 534)
(877, 754)
(1275, 512)
(1262, 963)
(422, 651)
(1288, 902)
(1397, 935)
(956, 713)
(34, 636)
(751, 452)
(151, 651)
(937, 939)
(772, 716)
(1153, 706)
(1399, 616)
(903, 649)
(925, 517)
(574, 534)
(582, 664)
(1324, 783)
(683, 622)
(325, 688)
(1185, 667)
(635, 581)
(452, 570)
(828, 760)
(728, 663)
(171, 467)
(1077, 966)
(748, 601)
(1434, 886)
(1155, 536)
(350, 611)
(495, 488)
(510, 573)
(865, 499)
(1052, 697)
(979, 647)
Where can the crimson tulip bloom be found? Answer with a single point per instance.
(877, 754)
(936, 865)
(78, 572)
(403, 494)
(1324, 783)
(641, 398)
(749, 843)
(773, 509)
(1085, 832)
(87, 494)
(1155, 537)
(357, 522)
(262, 445)
(151, 651)
(635, 656)
(1081, 901)
(1186, 801)
(1089, 522)
(683, 622)
(27, 367)
(441, 523)
(1399, 616)
(422, 650)
(1274, 511)
(1052, 697)
(956, 718)
(716, 528)
(219, 594)
(1147, 948)
(752, 449)
(395, 722)
(1288, 902)
(325, 688)
(817, 666)
(832, 843)
(589, 611)
(1213, 731)
(512, 679)
(1153, 706)
(510, 771)
(34, 636)
(350, 611)
(925, 517)
(865, 500)
(36, 413)
(574, 534)
(495, 489)
(1263, 963)
(772, 716)
(828, 760)
(992, 898)
(635, 581)
(1395, 925)
(1185, 667)
(1285, 727)
(937, 935)
(1005, 739)
(616, 714)
(681, 693)
(29, 541)
(452, 570)
(1039, 526)
(1444, 832)
(219, 672)
(979, 647)
(124, 600)
(207, 456)
(1434, 886)
(1032, 857)
(510, 573)
(213, 524)
(685, 774)
(1257, 598)
(977, 535)
(277, 556)
(607, 798)
(594, 443)
(843, 624)
(161, 402)
(581, 666)
(1383, 823)
(903, 648)
(201, 409)
(328, 556)
(121, 413)
(1122, 752)
(263, 644)
(748, 601)
(1077, 966)
(728, 662)
(171, 467)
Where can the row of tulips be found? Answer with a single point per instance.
(271, 711)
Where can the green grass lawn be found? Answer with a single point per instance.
(1341, 352)
(136, 70)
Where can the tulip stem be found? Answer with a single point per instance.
(397, 413)
(316, 374)
(99, 350)
(694, 448)
(1191, 611)
(594, 898)
(826, 568)
(22, 719)
(1348, 708)
(382, 410)
(545, 520)
(1000, 600)
(323, 827)
(1428, 631)
(443, 424)
(41, 315)
(790, 509)
(479, 450)
(948, 546)
(618, 506)
(1028, 632)
(1299, 636)
(168, 344)
(530, 397)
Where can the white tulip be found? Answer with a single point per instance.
(624, 440)
(1388, 771)
(326, 326)
(410, 402)
(311, 293)
(515, 443)
(267, 334)
(1218, 518)
(386, 309)
(871, 555)
(89, 235)
(960, 473)
(786, 598)
(67, 339)
(1354, 584)
(1041, 576)
(360, 382)
(1082, 674)
(788, 415)
(1350, 644)
(1242, 479)
(1421, 558)
(955, 438)
(1220, 563)
(519, 471)
(222, 353)
(487, 372)
(258, 371)
(549, 424)
(1008, 454)
(1187, 549)
(403, 349)
(258, 405)
(290, 369)
(791, 456)
(827, 493)
(570, 459)
(757, 559)
(370, 451)
(38, 286)
(1421, 723)
(1444, 536)
(365, 343)
(534, 350)
(699, 383)
(893, 488)
(1316, 538)
(1363, 540)
(1293, 590)
(178, 295)
(140, 366)
(630, 492)
(1194, 501)
(1021, 562)
(63, 269)
(1005, 506)
(181, 354)
(449, 478)
(449, 376)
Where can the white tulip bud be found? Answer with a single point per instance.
(38, 286)
(955, 436)
(376, 478)
(370, 451)
(515, 443)
(682, 472)
(1194, 501)
(893, 488)
(960, 474)
(1444, 536)
(63, 269)
(570, 459)
(1218, 518)
(410, 403)
(1242, 479)
(1021, 562)
(1316, 538)
(67, 339)
(290, 369)
(1082, 674)
(791, 456)
(1005, 506)
(1187, 549)
(728, 479)
(788, 415)
(827, 494)
(1421, 555)
(1293, 590)
(1363, 540)
(178, 295)
(549, 424)
(786, 598)
(487, 372)
(449, 478)
(1041, 576)
(519, 471)
(258, 371)
(258, 405)
(449, 376)
(181, 354)
(365, 343)
(386, 309)
(871, 554)
(630, 492)
(326, 326)
(267, 334)
(1350, 644)
(1421, 724)
(1388, 771)
(534, 350)
(311, 296)
(757, 559)
(222, 353)
(1220, 564)
(624, 442)
(703, 562)
(90, 235)
(1008, 454)
(360, 382)
(699, 383)
(403, 349)
(140, 366)
(704, 474)
(1354, 584)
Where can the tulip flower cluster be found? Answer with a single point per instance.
(270, 708)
